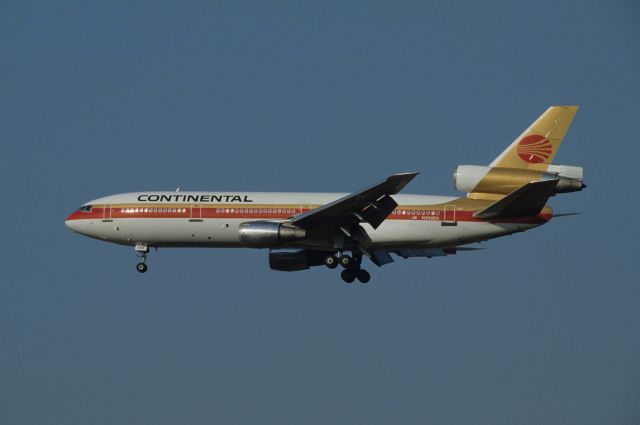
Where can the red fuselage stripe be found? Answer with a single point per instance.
(279, 213)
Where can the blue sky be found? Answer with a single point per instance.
(106, 97)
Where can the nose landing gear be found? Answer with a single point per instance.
(142, 251)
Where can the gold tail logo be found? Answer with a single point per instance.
(534, 149)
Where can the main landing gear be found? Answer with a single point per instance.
(142, 251)
(351, 265)
(350, 275)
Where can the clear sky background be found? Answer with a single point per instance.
(99, 98)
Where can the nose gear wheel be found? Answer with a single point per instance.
(142, 251)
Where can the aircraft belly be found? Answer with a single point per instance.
(397, 232)
(435, 234)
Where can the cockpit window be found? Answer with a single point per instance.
(85, 208)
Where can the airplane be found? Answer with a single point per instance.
(303, 230)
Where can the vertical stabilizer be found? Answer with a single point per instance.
(536, 147)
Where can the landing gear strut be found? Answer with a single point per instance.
(142, 251)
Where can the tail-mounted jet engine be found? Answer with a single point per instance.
(263, 234)
(500, 180)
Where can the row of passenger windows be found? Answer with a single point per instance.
(256, 210)
(251, 211)
(218, 210)
(152, 210)
(415, 212)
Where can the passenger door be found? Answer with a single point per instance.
(106, 214)
(195, 213)
(449, 217)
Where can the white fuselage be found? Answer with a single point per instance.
(211, 219)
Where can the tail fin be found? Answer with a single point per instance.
(535, 148)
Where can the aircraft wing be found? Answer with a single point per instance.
(371, 205)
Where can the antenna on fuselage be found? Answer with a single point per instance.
(177, 189)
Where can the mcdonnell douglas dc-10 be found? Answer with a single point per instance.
(302, 230)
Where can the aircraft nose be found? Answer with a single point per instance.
(72, 222)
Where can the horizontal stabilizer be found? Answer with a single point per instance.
(525, 201)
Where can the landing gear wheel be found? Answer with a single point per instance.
(331, 261)
(348, 275)
(142, 250)
(363, 276)
(141, 267)
(346, 261)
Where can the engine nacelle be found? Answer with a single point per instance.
(291, 261)
(467, 177)
(263, 234)
(500, 180)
